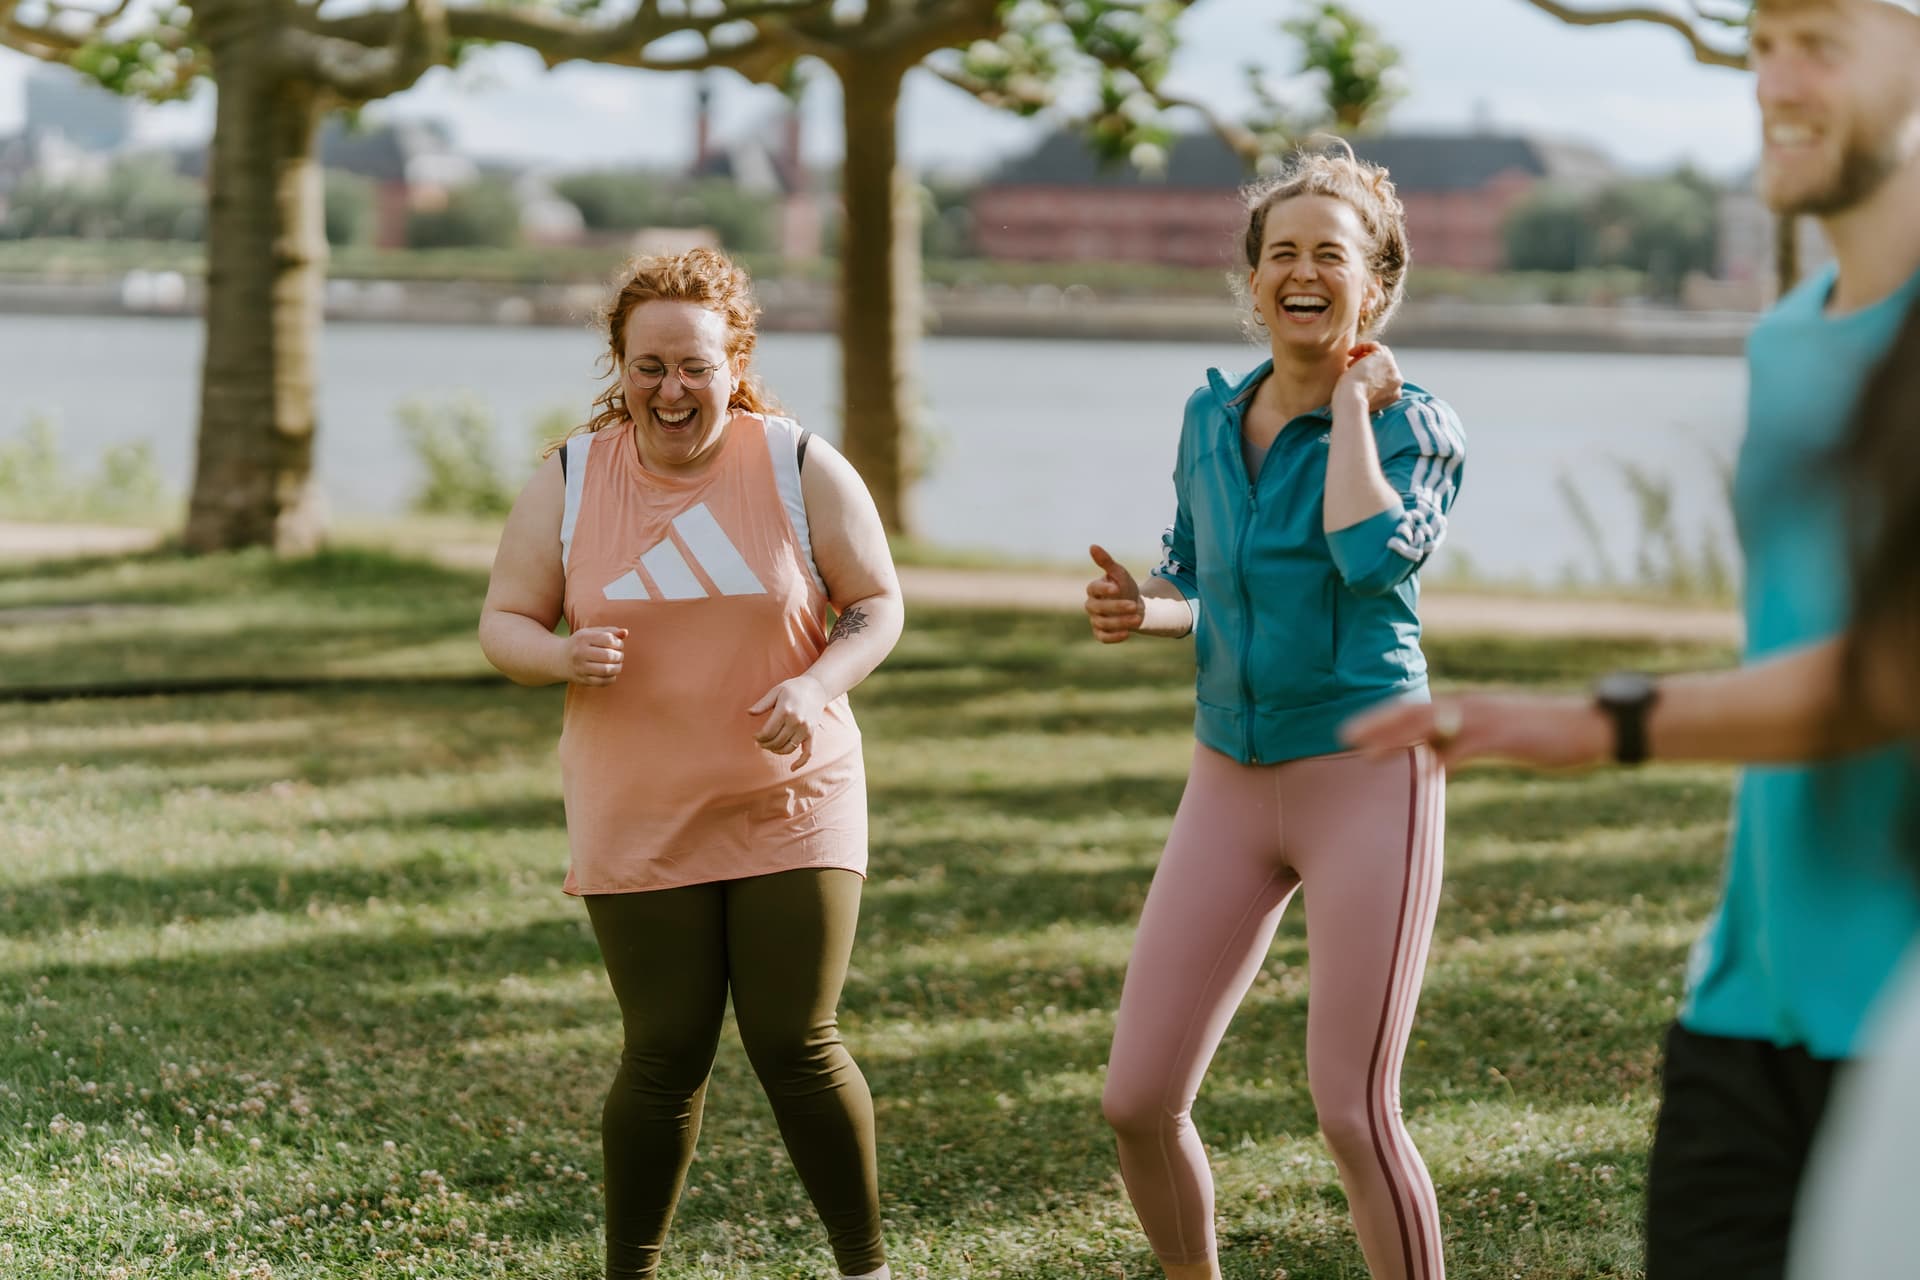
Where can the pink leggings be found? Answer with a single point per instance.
(1364, 839)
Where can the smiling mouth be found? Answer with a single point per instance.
(1790, 135)
(1304, 305)
(673, 419)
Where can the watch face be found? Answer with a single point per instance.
(1624, 687)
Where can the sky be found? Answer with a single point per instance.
(1634, 91)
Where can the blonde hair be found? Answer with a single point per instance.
(704, 277)
(1364, 187)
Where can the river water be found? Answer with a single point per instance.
(1040, 446)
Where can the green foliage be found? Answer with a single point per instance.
(743, 221)
(482, 213)
(1594, 286)
(349, 200)
(1359, 72)
(160, 60)
(611, 200)
(454, 442)
(1356, 73)
(1123, 46)
(35, 483)
(140, 198)
(617, 200)
(1665, 227)
(946, 221)
(1552, 230)
(1664, 562)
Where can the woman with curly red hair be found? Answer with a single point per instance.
(715, 789)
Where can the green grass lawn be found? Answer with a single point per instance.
(288, 987)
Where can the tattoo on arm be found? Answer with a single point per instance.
(849, 623)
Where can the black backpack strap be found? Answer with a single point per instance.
(800, 450)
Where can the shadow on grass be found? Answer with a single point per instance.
(114, 899)
(1560, 809)
(233, 615)
(974, 895)
(89, 568)
(1074, 800)
(1551, 893)
(331, 736)
(385, 1037)
(154, 655)
(524, 813)
(204, 578)
(1567, 660)
(415, 1025)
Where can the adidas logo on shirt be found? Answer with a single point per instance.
(673, 577)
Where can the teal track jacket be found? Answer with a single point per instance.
(1296, 629)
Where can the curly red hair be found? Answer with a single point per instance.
(704, 277)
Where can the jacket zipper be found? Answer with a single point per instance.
(1246, 598)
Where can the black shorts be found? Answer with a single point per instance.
(1737, 1119)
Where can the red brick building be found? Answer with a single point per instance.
(1059, 204)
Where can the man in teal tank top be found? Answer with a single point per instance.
(1818, 906)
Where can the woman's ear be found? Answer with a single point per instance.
(1376, 299)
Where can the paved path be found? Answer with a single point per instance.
(1442, 610)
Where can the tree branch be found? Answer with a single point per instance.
(963, 22)
(416, 39)
(1005, 97)
(900, 37)
(560, 40)
(1244, 142)
(48, 43)
(762, 59)
(45, 45)
(1703, 52)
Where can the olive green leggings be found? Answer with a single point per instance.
(781, 944)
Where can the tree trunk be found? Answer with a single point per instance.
(1786, 252)
(266, 263)
(880, 318)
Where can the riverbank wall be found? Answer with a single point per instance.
(1003, 311)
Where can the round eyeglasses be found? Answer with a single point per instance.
(693, 374)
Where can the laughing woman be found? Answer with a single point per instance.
(715, 791)
(1309, 495)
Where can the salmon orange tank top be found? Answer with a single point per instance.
(714, 579)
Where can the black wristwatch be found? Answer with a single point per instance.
(1626, 697)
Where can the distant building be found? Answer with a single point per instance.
(73, 128)
(412, 165)
(767, 162)
(48, 157)
(63, 101)
(1059, 204)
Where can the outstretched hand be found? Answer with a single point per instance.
(1542, 731)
